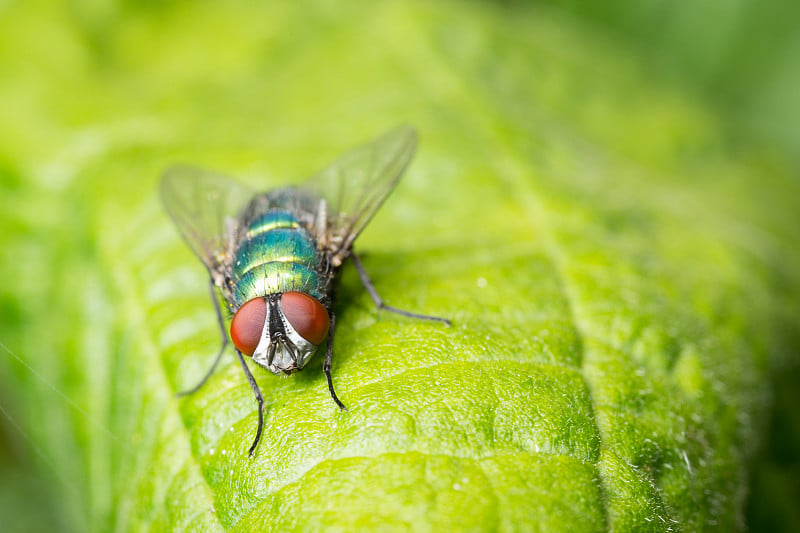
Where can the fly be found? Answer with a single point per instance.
(275, 256)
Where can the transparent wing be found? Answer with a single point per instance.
(205, 206)
(356, 184)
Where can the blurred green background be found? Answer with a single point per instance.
(680, 118)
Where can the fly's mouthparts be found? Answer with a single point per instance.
(273, 345)
(294, 353)
(279, 338)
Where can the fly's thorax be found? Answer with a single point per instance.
(275, 254)
(280, 331)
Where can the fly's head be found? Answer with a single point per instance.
(280, 331)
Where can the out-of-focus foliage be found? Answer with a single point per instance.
(618, 258)
(741, 56)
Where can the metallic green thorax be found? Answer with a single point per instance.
(275, 255)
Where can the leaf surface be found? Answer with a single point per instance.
(621, 275)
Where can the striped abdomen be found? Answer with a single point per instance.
(276, 255)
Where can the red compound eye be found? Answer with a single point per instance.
(307, 316)
(247, 325)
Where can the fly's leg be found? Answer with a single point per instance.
(326, 366)
(259, 398)
(379, 301)
(224, 335)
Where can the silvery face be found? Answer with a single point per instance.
(281, 349)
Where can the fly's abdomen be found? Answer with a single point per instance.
(276, 255)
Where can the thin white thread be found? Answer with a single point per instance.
(66, 398)
(37, 449)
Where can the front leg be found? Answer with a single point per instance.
(326, 366)
(259, 398)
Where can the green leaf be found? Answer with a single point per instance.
(621, 272)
